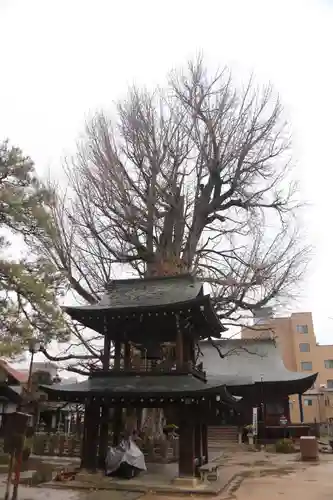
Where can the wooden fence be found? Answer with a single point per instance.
(58, 444)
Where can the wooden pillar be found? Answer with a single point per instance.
(117, 412)
(127, 366)
(117, 354)
(103, 436)
(204, 438)
(127, 355)
(188, 350)
(198, 444)
(90, 436)
(179, 345)
(186, 447)
(301, 412)
(139, 417)
(106, 352)
(117, 425)
(191, 351)
(286, 406)
(104, 419)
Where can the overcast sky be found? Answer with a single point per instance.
(62, 59)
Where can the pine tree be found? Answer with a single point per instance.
(29, 284)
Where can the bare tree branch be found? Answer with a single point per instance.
(193, 178)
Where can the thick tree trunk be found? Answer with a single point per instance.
(154, 420)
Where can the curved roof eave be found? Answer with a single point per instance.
(151, 292)
(92, 316)
(144, 386)
(258, 358)
(96, 308)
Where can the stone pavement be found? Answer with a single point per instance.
(304, 482)
(26, 493)
(314, 482)
(262, 476)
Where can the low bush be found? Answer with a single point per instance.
(284, 446)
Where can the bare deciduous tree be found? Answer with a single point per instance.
(194, 177)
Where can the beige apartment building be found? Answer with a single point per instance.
(295, 336)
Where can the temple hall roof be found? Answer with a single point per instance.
(259, 358)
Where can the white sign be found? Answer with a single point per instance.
(255, 421)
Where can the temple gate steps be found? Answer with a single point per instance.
(222, 434)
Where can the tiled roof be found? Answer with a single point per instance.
(146, 386)
(259, 358)
(148, 292)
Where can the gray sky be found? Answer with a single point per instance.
(61, 59)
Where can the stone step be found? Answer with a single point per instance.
(222, 438)
(225, 438)
(222, 434)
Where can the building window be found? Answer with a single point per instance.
(307, 402)
(302, 328)
(328, 363)
(330, 384)
(306, 365)
(303, 347)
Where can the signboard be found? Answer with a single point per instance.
(255, 421)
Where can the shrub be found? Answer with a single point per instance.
(284, 446)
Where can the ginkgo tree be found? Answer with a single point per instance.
(192, 177)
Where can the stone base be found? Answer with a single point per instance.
(186, 482)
